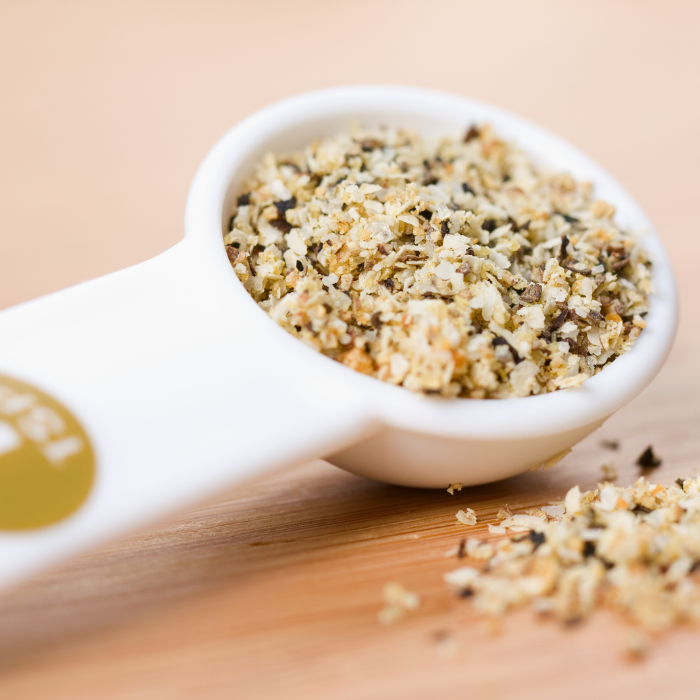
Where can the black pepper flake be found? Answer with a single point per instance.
(610, 444)
(230, 222)
(300, 266)
(462, 549)
(583, 346)
(291, 165)
(562, 250)
(388, 283)
(680, 483)
(648, 460)
(232, 253)
(466, 188)
(383, 249)
(568, 218)
(445, 228)
(489, 225)
(573, 347)
(498, 340)
(532, 294)
(281, 225)
(464, 269)
(466, 593)
(472, 133)
(589, 549)
(620, 264)
(426, 214)
(298, 329)
(580, 271)
(616, 250)
(559, 320)
(641, 509)
(243, 200)
(506, 178)
(412, 256)
(370, 144)
(429, 179)
(284, 204)
(594, 317)
(376, 321)
(537, 538)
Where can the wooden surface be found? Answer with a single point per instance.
(274, 590)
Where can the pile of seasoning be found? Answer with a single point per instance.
(634, 549)
(454, 267)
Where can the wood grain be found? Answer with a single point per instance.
(273, 591)
(276, 591)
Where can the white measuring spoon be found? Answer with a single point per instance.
(183, 387)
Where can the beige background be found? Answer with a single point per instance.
(106, 109)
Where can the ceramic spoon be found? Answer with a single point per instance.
(159, 386)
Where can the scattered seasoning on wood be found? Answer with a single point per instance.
(467, 517)
(454, 487)
(634, 549)
(610, 444)
(609, 472)
(504, 512)
(648, 460)
(398, 602)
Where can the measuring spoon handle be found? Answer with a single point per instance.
(130, 396)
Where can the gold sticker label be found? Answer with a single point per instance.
(47, 465)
